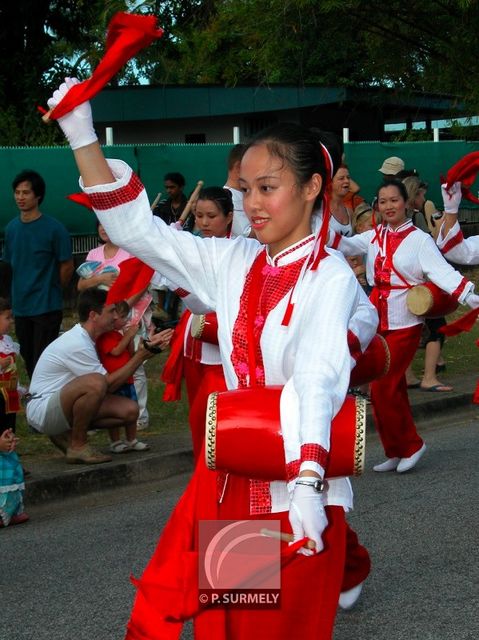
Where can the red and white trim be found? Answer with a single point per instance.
(103, 200)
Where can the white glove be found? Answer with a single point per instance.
(472, 300)
(307, 516)
(78, 124)
(451, 200)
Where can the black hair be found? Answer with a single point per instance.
(92, 299)
(300, 148)
(122, 308)
(176, 177)
(405, 173)
(35, 179)
(220, 196)
(5, 305)
(394, 182)
(235, 155)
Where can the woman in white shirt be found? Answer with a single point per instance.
(399, 256)
(283, 306)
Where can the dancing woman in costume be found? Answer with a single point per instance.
(283, 306)
(399, 256)
(196, 360)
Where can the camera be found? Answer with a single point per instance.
(160, 325)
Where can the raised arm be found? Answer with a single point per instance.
(120, 202)
(439, 271)
(451, 199)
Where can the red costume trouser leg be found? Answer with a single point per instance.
(389, 397)
(357, 564)
(310, 586)
(193, 373)
(212, 380)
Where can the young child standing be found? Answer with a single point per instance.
(12, 483)
(115, 348)
(9, 396)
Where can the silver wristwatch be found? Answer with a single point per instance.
(318, 485)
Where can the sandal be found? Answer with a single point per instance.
(136, 445)
(119, 447)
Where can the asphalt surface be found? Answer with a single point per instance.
(171, 453)
(65, 574)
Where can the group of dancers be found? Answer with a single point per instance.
(286, 305)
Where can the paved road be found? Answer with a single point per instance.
(64, 576)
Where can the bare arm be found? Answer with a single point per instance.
(66, 272)
(450, 220)
(102, 278)
(125, 341)
(116, 378)
(92, 165)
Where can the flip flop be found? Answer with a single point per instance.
(441, 388)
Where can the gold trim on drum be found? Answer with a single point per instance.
(360, 440)
(197, 325)
(387, 364)
(210, 430)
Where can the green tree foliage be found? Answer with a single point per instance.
(428, 46)
(41, 42)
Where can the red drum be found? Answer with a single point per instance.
(243, 435)
(429, 301)
(205, 327)
(372, 364)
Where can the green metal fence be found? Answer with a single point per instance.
(206, 162)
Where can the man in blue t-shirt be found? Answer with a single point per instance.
(38, 249)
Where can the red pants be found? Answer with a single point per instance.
(310, 586)
(389, 397)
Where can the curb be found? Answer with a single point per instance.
(59, 483)
(55, 480)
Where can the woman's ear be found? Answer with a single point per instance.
(313, 187)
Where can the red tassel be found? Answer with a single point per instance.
(288, 313)
(172, 373)
(81, 198)
(464, 323)
(127, 35)
(465, 172)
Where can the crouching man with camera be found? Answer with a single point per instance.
(71, 392)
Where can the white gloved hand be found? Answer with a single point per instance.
(307, 516)
(451, 200)
(78, 124)
(472, 300)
